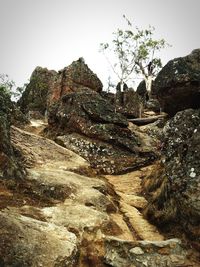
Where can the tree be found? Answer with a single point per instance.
(6, 83)
(136, 52)
(9, 87)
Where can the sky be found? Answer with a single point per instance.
(53, 33)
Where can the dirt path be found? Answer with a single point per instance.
(128, 187)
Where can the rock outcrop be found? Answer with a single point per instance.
(30, 242)
(142, 91)
(144, 253)
(34, 98)
(89, 125)
(73, 78)
(128, 103)
(177, 85)
(174, 185)
(9, 165)
(48, 86)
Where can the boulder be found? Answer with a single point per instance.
(88, 125)
(35, 95)
(48, 86)
(128, 103)
(177, 85)
(29, 242)
(142, 91)
(9, 165)
(153, 104)
(174, 185)
(75, 77)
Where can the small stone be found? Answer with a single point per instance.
(137, 251)
(178, 259)
(192, 174)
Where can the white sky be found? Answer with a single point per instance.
(53, 33)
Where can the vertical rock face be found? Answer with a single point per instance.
(176, 195)
(9, 167)
(177, 86)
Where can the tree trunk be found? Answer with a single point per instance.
(121, 85)
(148, 82)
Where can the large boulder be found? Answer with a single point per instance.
(74, 78)
(9, 165)
(128, 103)
(29, 242)
(142, 91)
(177, 85)
(174, 185)
(35, 95)
(89, 125)
(48, 86)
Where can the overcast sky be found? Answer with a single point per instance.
(53, 33)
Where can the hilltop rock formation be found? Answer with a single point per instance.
(174, 185)
(73, 78)
(177, 85)
(34, 98)
(48, 86)
(89, 125)
(9, 166)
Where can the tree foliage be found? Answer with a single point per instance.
(136, 52)
(6, 84)
(9, 87)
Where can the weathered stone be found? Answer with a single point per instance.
(103, 156)
(176, 186)
(35, 95)
(153, 104)
(142, 91)
(73, 78)
(37, 151)
(28, 242)
(9, 165)
(177, 85)
(137, 251)
(89, 125)
(122, 253)
(128, 103)
(48, 86)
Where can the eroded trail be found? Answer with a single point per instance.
(128, 187)
(79, 218)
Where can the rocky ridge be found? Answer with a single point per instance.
(88, 200)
